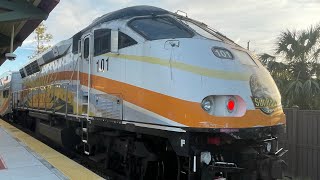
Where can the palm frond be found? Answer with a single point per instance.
(266, 58)
(285, 40)
(316, 54)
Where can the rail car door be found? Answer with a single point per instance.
(105, 103)
(85, 74)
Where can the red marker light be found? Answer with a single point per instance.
(231, 105)
(214, 140)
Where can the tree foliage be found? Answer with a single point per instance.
(42, 39)
(297, 74)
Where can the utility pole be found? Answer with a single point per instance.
(248, 45)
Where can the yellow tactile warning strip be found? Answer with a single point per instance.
(68, 167)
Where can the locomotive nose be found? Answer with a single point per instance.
(265, 94)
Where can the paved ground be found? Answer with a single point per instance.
(20, 162)
(24, 158)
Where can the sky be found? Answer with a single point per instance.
(259, 22)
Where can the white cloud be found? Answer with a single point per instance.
(258, 21)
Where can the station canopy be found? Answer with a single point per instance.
(24, 16)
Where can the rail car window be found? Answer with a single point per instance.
(5, 93)
(102, 41)
(86, 48)
(22, 73)
(160, 28)
(125, 41)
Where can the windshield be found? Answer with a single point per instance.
(199, 30)
(154, 28)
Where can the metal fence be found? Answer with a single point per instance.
(303, 142)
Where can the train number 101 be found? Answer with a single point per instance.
(222, 53)
(102, 65)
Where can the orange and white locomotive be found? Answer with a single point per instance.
(155, 95)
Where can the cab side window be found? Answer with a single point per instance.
(102, 41)
(5, 94)
(125, 41)
(86, 48)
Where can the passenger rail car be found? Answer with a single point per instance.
(7, 87)
(155, 95)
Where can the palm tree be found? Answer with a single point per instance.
(301, 50)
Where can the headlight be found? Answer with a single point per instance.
(207, 104)
(224, 105)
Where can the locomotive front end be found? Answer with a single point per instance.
(235, 125)
(246, 147)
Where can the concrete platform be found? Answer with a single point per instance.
(23, 157)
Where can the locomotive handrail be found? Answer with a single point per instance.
(39, 88)
(34, 88)
(5, 88)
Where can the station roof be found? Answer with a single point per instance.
(25, 16)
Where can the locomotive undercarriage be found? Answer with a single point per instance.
(132, 152)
